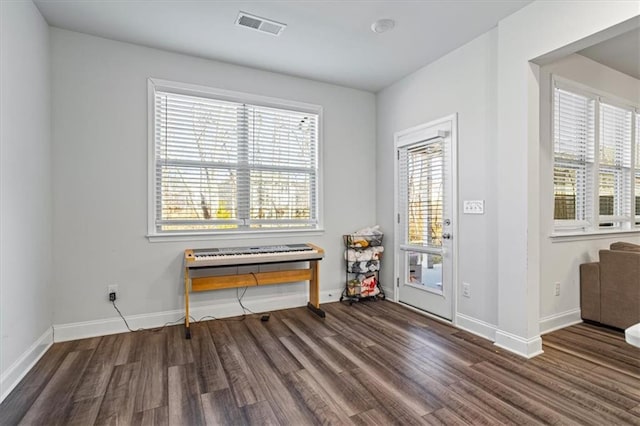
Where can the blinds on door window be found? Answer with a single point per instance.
(222, 165)
(421, 172)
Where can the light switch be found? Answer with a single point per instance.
(473, 206)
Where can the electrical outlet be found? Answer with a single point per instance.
(466, 289)
(557, 289)
(113, 288)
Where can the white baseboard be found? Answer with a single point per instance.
(114, 325)
(388, 293)
(24, 363)
(476, 326)
(561, 320)
(527, 348)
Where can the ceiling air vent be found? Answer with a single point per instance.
(260, 24)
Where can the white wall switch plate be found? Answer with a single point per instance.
(466, 289)
(473, 206)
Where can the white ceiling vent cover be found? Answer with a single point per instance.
(260, 24)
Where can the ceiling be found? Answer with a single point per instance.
(622, 53)
(328, 41)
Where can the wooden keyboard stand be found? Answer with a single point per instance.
(219, 282)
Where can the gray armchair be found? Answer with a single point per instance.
(610, 288)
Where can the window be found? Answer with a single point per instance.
(573, 144)
(615, 165)
(596, 173)
(422, 168)
(230, 162)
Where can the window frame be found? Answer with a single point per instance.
(153, 234)
(574, 228)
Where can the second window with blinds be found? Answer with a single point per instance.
(225, 162)
(596, 174)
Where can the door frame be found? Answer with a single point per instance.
(416, 134)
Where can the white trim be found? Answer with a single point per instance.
(463, 322)
(527, 348)
(388, 293)
(558, 237)
(557, 321)
(281, 233)
(25, 362)
(590, 92)
(151, 158)
(114, 325)
(396, 218)
(476, 326)
(454, 214)
(422, 133)
(419, 133)
(320, 172)
(595, 172)
(425, 288)
(232, 95)
(420, 249)
(562, 226)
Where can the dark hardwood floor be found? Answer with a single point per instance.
(366, 364)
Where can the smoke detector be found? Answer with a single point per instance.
(257, 23)
(383, 25)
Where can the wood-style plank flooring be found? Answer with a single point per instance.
(373, 363)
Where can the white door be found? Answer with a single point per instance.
(425, 237)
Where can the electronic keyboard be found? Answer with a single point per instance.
(234, 256)
(230, 256)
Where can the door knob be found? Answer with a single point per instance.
(446, 236)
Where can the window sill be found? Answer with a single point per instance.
(558, 236)
(237, 235)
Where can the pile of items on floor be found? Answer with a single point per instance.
(363, 252)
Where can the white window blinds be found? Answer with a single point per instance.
(573, 143)
(421, 171)
(615, 164)
(223, 165)
(596, 170)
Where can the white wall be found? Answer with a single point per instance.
(100, 177)
(462, 82)
(25, 190)
(533, 31)
(560, 258)
(499, 155)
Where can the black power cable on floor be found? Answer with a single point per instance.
(264, 315)
(145, 329)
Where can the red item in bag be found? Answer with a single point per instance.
(368, 287)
